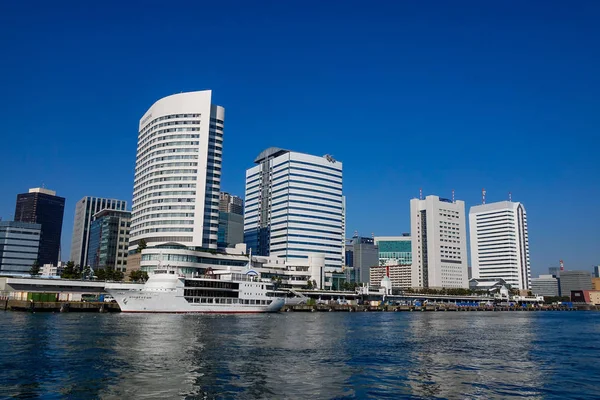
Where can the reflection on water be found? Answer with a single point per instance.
(297, 355)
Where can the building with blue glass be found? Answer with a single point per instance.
(109, 240)
(294, 207)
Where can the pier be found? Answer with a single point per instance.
(58, 306)
(409, 308)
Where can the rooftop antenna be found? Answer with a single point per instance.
(483, 196)
(420, 193)
(562, 265)
(453, 196)
(509, 196)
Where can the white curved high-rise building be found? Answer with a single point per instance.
(178, 172)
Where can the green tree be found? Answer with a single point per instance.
(309, 284)
(87, 272)
(101, 274)
(71, 271)
(35, 268)
(141, 245)
(138, 276)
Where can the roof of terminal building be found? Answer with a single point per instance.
(270, 153)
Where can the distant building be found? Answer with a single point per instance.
(19, 245)
(500, 243)
(364, 254)
(574, 280)
(596, 271)
(231, 229)
(109, 240)
(438, 243)
(400, 275)
(231, 204)
(85, 210)
(231, 221)
(394, 250)
(44, 207)
(294, 207)
(596, 283)
(591, 297)
(545, 285)
(554, 271)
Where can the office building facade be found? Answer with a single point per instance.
(44, 207)
(85, 209)
(294, 207)
(438, 243)
(394, 250)
(500, 243)
(19, 246)
(109, 240)
(574, 280)
(231, 229)
(545, 285)
(231, 221)
(178, 172)
(363, 253)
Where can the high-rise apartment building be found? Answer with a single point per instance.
(178, 172)
(439, 243)
(596, 271)
(19, 245)
(85, 209)
(44, 207)
(109, 240)
(231, 204)
(294, 206)
(500, 243)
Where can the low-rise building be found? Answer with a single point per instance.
(545, 285)
(574, 280)
(596, 283)
(400, 275)
(489, 285)
(591, 297)
(19, 245)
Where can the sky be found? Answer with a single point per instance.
(433, 95)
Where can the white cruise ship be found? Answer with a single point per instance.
(223, 291)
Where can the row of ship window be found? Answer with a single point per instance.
(216, 300)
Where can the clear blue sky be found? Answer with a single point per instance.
(439, 95)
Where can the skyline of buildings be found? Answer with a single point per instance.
(42, 206)
(500, 243)
(294, 206)
(177, 180)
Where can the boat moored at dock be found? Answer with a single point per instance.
(222, 291)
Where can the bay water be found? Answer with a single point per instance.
(393, 355)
